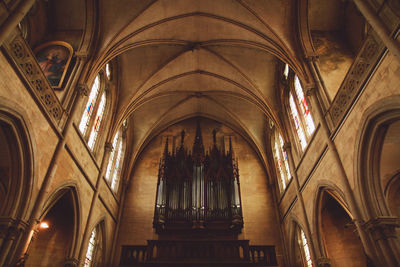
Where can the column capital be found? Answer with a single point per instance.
(83, 89)
(287, 146)
(71, 262)
(382, 227)
(323, 262)
(310, 90)
(108, 147)
(312, 58)
(81, 54)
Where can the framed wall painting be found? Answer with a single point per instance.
(54, 58)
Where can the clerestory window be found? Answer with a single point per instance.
(115, 161)
(92, 118)
(281, 161)
(299, 112)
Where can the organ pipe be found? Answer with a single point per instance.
(198, 190)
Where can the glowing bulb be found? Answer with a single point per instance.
(44, 225)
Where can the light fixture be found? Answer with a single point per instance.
(44, 225)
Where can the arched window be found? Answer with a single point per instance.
(87, 113)
(301, 117)
(93, 253)
(305, 250)
(281, 162)
(92, 117)
(115, 160)
(97, 121)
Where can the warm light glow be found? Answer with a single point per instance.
(44, 225)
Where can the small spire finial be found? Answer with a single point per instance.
(182, 137)
(165, 154)
(214, 132)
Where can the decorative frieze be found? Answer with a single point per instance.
(360, 70)
(22, 56)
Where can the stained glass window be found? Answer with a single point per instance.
(87, 113)
(306, 249)
(97, 122)
(301, 116)
(91, 249)
(303, 106)
(111, 158)
(281, 161)
(115, 162)
(297, 122)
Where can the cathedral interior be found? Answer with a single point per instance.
(199, 133)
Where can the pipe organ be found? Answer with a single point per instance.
(198, 190)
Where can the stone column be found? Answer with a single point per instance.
(378, 26)
(383, 232)
(14, 18)
(10, 235)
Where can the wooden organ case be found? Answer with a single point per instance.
(198, 191)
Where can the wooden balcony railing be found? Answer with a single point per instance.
(223, 252)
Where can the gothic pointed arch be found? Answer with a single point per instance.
(337, 234)
(56, 238)
(300, 254)
(16, 168)
(369, 151)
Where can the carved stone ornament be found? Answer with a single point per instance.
(83, 89)
(363, 65)
(25, 64)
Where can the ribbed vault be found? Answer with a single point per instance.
(182, 58)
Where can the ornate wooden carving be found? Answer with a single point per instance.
(19, 52)
(198, 191)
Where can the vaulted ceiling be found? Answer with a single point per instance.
(182, 58)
